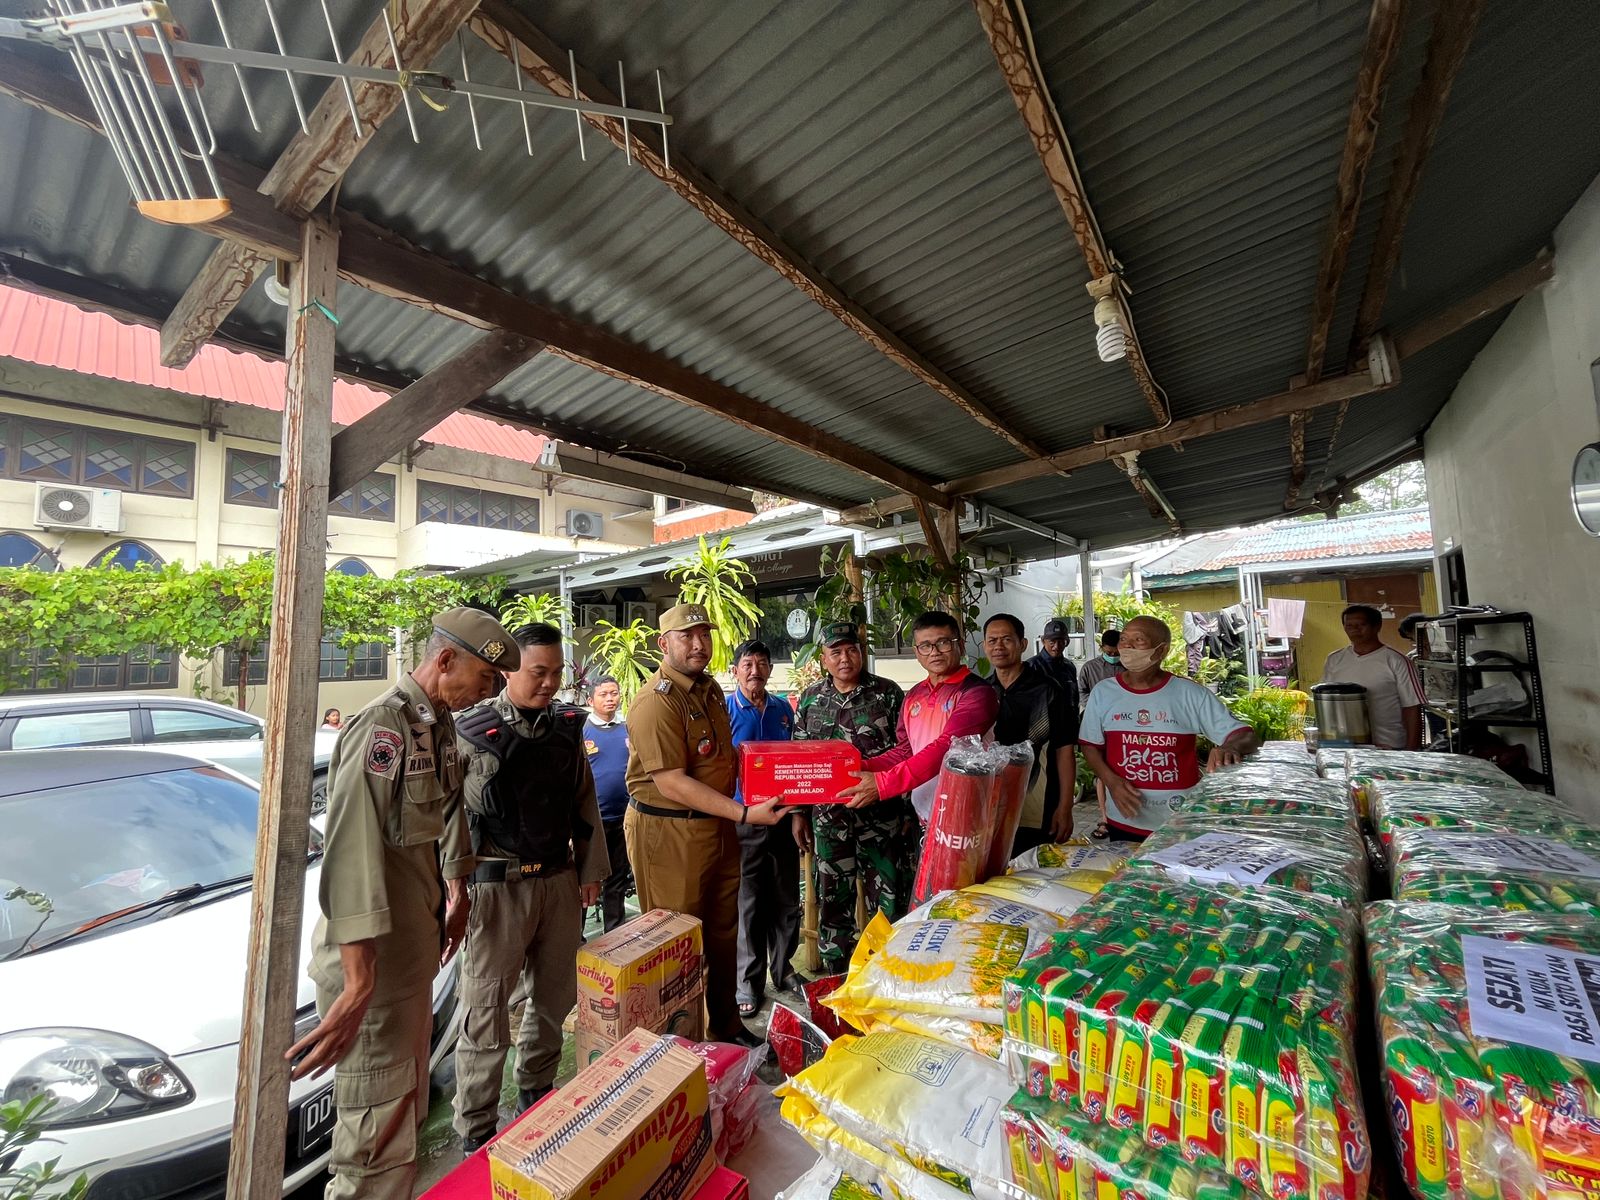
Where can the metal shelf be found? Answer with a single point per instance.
(1452, 716)
(1433, 665)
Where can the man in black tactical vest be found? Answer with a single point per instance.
(531, 809)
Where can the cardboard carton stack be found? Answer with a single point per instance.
(644, 975)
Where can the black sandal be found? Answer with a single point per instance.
(748, 1008)
(1100, 832)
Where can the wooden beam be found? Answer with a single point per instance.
(272, 980)
(211, 295)
(360, 449)
(931, 532)
(1453, 26)
(1009, 39)
(312, 163)
(503, 28)
(381, 261)
(1508, 289)
(1360, 140)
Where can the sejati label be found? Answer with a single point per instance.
(1534, 995)
(1512, 851)
(1228, 857)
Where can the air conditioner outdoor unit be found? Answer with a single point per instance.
(638, 610)
(590, 615)
(584, 524)
(62, 506)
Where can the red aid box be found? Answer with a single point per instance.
(800, 772)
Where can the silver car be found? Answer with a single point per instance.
(123, 947)
(199, 727)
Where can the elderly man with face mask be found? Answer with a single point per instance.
(682, 819)
(1140, 729)
(769, 856)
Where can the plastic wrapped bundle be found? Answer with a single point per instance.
(1398, 805)
(1364, 767)
(1316, 854)
(1010, 792)
(1267, 791)
(1211, 1020)
(1056, 1155)
(909, 1107)
(1073, 856)
(941, 979)
(1498, 868)
(1491, 1049)
(1285, 753)
(961, 828)
(983, 908)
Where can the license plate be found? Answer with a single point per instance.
(316, 1120)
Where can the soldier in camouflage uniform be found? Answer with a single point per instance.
(852, 704)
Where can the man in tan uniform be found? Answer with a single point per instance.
(681, 817)
(394, 796)
(541, 857)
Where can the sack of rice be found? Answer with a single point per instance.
(1491, 1049)
(1073, 856)
(1059, 892)
(923, 1104)
(985, 909)
(939, 978)
(824, 1181)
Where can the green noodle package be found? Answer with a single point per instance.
(1499, 868)
(1491, 1049)
(1364, 767)
(1400, 804)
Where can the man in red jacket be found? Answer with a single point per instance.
(951, 702)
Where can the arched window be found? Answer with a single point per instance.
(370, 660)
(128, 555)
(353, 567)
(20, 550)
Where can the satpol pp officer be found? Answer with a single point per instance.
(535, 825)
(394, 798)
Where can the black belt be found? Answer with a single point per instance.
(677, 814)
(510, 870)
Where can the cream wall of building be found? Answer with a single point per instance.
(1499, 459)
(204, 528)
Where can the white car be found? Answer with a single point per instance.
(199, 727)
(122, 965)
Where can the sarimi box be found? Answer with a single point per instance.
(635, 1124)
(647, 975)
(800, 772)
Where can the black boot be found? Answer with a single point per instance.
(528, 1097)
(471, 1145)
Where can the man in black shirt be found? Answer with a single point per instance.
(1036, 710)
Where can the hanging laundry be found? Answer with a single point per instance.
(1285, 618)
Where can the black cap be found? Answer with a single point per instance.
(836, 633)
(1054, 628)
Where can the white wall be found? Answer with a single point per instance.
(1499, 460)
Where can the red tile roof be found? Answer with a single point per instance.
(714, 522)
(1400, 532)
(53, 333)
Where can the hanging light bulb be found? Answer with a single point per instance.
(276, 284)
(1110, 338)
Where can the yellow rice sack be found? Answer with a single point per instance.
(938, 978)
(1073, 856)
(986, 909)
(873, 1173)
(1060, 892)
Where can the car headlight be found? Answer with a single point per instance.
(92, 1075)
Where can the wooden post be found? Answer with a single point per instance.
(261, 1098)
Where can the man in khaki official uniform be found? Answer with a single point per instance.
(541, 857)
(394, 797)
(682, 820)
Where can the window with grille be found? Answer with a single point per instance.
(253, 481)
(52, 452)
(127, 555)
(255, 668)
(142, 668)
(20, 550)
(451, 505)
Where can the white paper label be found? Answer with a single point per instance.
(1514, 852)
(1534, 995)
(1233, 857)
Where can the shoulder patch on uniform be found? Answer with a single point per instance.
(664, 686)
(383, 751)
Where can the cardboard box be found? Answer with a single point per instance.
(635, 1124)
(647, 975)
(724, 1185)
(800, 772)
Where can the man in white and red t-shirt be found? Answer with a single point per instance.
(1139, 730)
(1394, 693)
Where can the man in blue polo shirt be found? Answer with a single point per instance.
(605, 743)
(769, 887)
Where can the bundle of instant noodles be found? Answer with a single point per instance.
(1398, 804)
(961, 828)
(936, 978)
(1057, 1155)
(1363, 767)
(1491, 1049)
(1268, 791)
(1288, 754)
(1498, 868)
(1212, 1020)
(906, 1109)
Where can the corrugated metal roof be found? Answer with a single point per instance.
(882, 144)
(52, 333)
(1402, 532)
